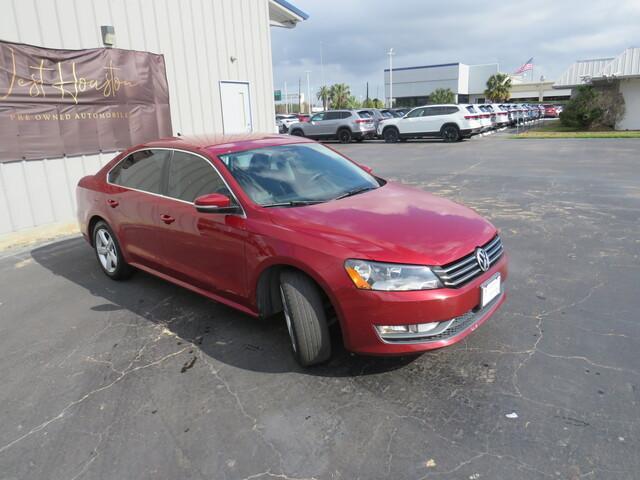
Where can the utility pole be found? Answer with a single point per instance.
(286, 99)
(391, 54)
(367, 93)
(299, 94)
(321, 66)
(308, 92)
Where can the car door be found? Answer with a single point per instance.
(331, 122)
(205, 250)
(135, 185)
(314, 126)
(413, 122)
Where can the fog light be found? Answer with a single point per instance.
(390, 330)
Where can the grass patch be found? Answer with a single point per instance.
(554, 129)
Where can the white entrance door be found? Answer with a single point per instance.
(236, 107)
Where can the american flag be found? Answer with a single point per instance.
(528, 65)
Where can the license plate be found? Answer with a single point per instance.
(490, 289)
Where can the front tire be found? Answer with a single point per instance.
(305, 317)
(297, 133)
(391, 135)
(109, 254)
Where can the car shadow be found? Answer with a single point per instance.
(379, 141)
(220, 332)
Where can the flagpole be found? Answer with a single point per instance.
(532, 71)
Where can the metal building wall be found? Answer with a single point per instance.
(198, 39)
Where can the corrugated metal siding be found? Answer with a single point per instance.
(197, 38)
(627, 64)
(43, 191)
(577, 73)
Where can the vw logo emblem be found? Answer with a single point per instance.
(483, 259)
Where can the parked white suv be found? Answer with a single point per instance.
(449, 122)
(285, 121)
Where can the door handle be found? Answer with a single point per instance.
(168, 219)
(112, 203)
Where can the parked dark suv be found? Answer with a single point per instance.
(343, 125)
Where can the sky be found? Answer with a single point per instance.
(355, 35)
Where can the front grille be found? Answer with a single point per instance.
(462, 271)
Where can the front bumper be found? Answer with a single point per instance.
(361, 310)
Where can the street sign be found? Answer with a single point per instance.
(277, 95)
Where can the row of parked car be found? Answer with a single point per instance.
(450, 122)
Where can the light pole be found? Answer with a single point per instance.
(391, 54)
(308, 92)
(286, 99)
(321, 67)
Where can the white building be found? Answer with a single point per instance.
(541, 91)
(413, 85)
(621, 72)
(213, 49)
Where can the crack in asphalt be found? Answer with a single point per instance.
(92, 393)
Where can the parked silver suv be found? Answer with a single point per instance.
(344, 125)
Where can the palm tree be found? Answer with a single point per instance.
(442, 95)
(339, 95)
(498, 87)
(323, 94)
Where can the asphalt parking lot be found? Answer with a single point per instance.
(144, 380)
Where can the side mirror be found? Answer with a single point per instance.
(215, 203)
(366, 168)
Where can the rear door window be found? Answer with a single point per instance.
(191, 176)
(142, 170)
(333, 115)
(432, 111)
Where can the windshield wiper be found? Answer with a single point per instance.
(355, 191)
(293, 203)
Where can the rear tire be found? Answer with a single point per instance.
(109, 254)
(391, 135)
(450, 133)
(344, 135)
(305, 317)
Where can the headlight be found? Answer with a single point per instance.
(390, 276)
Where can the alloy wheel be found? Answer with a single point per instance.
(106, 249)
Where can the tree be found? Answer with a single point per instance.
(373, 103)
(323, 94)
(339, 94)
(442, 95)
(583, 110)
(498, 87)
(353, 102)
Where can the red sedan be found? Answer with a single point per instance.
(550, 111)
(275, 224)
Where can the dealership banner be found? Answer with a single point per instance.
(56, 103)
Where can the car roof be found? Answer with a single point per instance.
(217, 144)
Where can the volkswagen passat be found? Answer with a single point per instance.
(274, 224)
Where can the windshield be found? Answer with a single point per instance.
(296, 173)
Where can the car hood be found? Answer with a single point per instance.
(393, 223)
